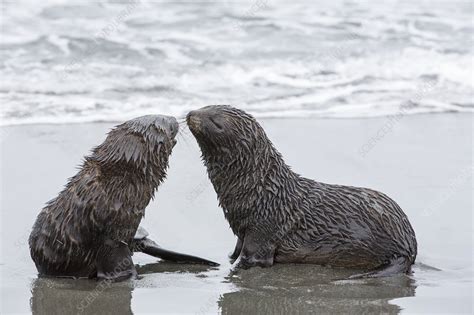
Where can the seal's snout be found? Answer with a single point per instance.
(167, 123)
(193, 120)
(173, 126)
(210, 119)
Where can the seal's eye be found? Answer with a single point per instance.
(172, 129)
(218, 125)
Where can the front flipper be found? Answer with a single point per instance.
(115, 262)
(256, 251)
(149, 247)
(238, 248)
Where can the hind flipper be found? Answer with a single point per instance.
(115, 262)
(396, 266)
(149, 247)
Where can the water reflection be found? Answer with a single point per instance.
(68, 296)
(294, 289)
(83, 296)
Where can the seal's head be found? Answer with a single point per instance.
(226, 130)
(141, 145)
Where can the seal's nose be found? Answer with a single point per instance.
(167, 123)
(193, 120)
(192, 114)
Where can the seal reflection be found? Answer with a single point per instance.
(305, 289)
(68, 296)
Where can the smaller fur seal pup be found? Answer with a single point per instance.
(280, 216)
(90, 228)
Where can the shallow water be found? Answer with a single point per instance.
(425, 164)
(82, 61)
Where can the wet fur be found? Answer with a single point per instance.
(88, 228)
(280, 216)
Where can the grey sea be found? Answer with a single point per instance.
(91, 60)
(372, 94)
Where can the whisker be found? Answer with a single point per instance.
(184, 139)
(183, 128)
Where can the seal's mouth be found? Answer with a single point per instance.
(173, 142)
(170, 134)
(174, 128)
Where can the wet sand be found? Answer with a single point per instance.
(423, 162)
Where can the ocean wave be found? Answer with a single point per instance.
(117, 112)
(108, 61)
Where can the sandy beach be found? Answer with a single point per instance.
(424, 162)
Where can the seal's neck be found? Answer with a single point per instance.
(246, 180)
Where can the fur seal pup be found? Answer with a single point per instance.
(88, 229)
(279, 216)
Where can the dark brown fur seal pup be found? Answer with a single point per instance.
(88, 230)
(279, 216)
